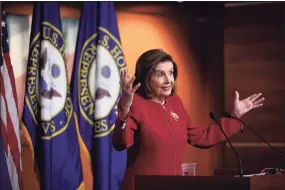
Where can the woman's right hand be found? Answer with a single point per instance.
(128, 92)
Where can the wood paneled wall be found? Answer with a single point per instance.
(254, 62)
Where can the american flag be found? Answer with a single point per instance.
(10, 145)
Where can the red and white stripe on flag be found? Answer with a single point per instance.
(9, 119)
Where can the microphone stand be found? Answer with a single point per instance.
(277, 152)
(212, 115)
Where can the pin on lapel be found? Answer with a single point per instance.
(175, 116)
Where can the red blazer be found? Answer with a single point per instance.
(156, 137)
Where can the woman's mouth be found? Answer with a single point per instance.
(167, 88)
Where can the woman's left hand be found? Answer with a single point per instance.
(241, 107)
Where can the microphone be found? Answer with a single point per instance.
(276, 151)
(212, 115)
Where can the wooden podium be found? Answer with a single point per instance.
(269, 182)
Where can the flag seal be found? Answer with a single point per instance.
(48, 97)
(101, 60)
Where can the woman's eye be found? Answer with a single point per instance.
(159, 75)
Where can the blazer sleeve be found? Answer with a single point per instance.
(199, 136)
(123, 134)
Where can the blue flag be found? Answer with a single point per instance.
(95, 87)
(48, 116)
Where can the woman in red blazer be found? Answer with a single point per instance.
(154, 125)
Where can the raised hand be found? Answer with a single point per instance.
(241, 107)
(128, 92)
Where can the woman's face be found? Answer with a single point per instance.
(162, 80)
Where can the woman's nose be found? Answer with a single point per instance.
(167, 79)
